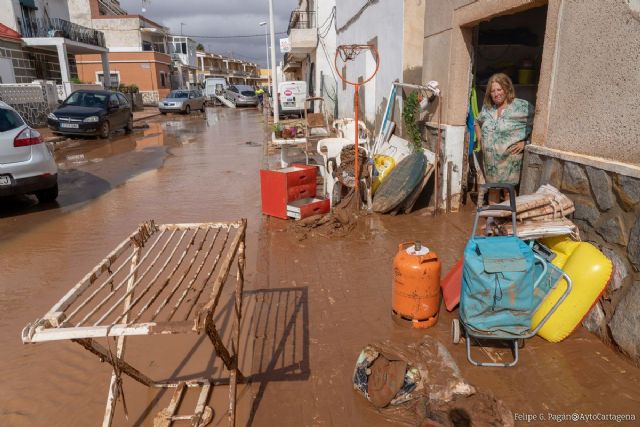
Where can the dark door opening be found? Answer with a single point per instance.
(512, 45)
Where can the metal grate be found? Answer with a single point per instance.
(156, 281)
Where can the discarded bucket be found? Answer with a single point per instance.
(416, 286)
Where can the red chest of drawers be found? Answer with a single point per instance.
(282, 186)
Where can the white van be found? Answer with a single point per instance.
(214, 86)
(291, 96)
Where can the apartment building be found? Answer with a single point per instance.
(138, 48)
(236, 71)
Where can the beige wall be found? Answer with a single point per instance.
(589, 80)
(412, 41)
(595, 88)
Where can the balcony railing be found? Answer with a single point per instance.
(302, 20)
(56, 27)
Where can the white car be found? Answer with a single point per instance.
(27, 165)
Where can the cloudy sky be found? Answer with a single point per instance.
(214, 18)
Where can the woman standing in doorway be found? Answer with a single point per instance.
(503, 128)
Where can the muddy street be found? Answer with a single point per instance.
(311, 302)
(178, 170)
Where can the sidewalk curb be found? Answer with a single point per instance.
(147, 117)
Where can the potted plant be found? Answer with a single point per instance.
(277, 130)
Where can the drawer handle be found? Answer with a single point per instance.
(316, 209)
(301, 177)
(303, 191)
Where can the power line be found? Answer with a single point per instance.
(231, 37)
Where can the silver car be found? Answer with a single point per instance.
(182, 101)
(241, 95)
(26, 163)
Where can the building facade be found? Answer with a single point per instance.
(586, 122)
(138, 48)
(49, 41)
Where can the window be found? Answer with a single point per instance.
(184, 47)
(9, 119)
(163, 81)
(123, 100)
(115, 79)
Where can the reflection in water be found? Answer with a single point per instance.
(44, 251)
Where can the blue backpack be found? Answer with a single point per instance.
(497, 285)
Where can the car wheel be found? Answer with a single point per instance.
(105, 130)
(129, 127)
(187, 110)
(48, 195)
(164, 113)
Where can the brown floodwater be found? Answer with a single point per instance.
(179, 170)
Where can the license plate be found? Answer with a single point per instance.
(289, 104)
(69, 125)
(5, 180)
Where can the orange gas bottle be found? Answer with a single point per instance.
(416, 285)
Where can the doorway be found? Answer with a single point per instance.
(512, 45)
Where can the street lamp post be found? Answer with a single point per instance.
(266, 42)
(181, 25)
(274, 77)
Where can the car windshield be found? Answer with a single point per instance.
(179, 94)
(87, 99)
(9, 120)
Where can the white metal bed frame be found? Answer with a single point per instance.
(162, 282)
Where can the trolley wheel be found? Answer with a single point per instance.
(520, 342)
(455, 331)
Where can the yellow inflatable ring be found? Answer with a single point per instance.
(590, 271)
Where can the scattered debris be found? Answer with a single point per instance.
(340, 222)
(420, 384)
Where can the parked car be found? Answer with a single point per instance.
(291, 96)
(182, 101)
(26, 163)
(241, 95)
(92, 112)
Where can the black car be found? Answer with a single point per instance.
(92, 112)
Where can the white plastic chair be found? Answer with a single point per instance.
(346, 129)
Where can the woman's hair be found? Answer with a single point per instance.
(505, 83)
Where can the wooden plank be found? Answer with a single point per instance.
(152, 328)
(222, 276)
(90, 278)
(123, 366)
(122, 298)
(114, 386)
(108, 297)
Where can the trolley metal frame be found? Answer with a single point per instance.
(458, 328)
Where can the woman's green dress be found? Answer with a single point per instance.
(500, 133)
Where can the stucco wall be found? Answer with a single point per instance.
(594, 95)
(80, 12)
(324, 55)
(141, 68)
(121, 35)
(381, 21)
(8, 13)
(412, 47)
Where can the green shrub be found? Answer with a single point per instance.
(410, 116)
(133, 88)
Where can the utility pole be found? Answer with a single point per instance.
(274, 78)
(266, 42)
